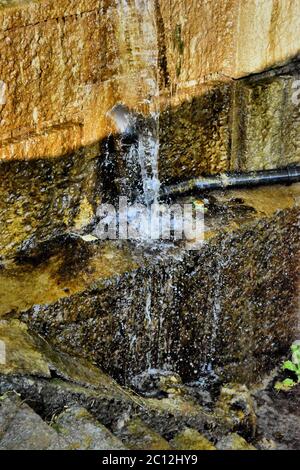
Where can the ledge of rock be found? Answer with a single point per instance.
(93, 299)
(85, 409)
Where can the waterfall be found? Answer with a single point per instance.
(148, 153)
(208, 368)
(139, 89)
(143, 134)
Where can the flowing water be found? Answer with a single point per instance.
(137, 37)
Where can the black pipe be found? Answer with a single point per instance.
(232, 180)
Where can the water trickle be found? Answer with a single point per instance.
(143, 148)
(138, 120)
(148, 308)
(149, 326)
(148, 152)
(216, 315)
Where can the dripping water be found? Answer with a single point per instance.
(138, 39)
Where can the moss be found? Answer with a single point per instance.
(190, 439)
(137, 435)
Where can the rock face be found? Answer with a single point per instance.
(270, 26)
(251, 124)
(70, 404)
(81, 431)
(43, 198)
(75, 62)
(180, 71)
(189, 439)
(205, 38)
(246, 124)
(179, 310)
(195, 134)
(22, 429)
(265, 131)
(276, 416)
(234, 442)
(63, 66)
(137, 435)
(196, 98)
(237, 406)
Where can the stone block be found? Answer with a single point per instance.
(46, 197)
(266, 121)
(195, 133)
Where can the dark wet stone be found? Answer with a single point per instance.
(81, 402)
(50, 380)
(234, 442)
(157, 383)
(195, 135)
(82, 432)
(237, 407)
(23, 429)
(137, 435)
(222, 307)
(44, 198)
(278, 417)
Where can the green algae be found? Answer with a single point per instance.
(137, 435)
(190, 439)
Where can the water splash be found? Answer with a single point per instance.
(143, 135)
(148, 153)
(208, 368)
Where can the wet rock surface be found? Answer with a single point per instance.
(81, 431)
(266, 120)
(157, 383)
(137, 435)
(55, 412)
(58, 159)
(177, 327)
(22, 429)
(234, 441)
(189, 439)
(134, 310)
(237, 407)
(45, 198)
(278, 419)
(197, 127)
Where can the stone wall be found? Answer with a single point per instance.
(64, 65)
(266, 120)
(230, 37)
(52, 67)
(44, 198)
(218, 44)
